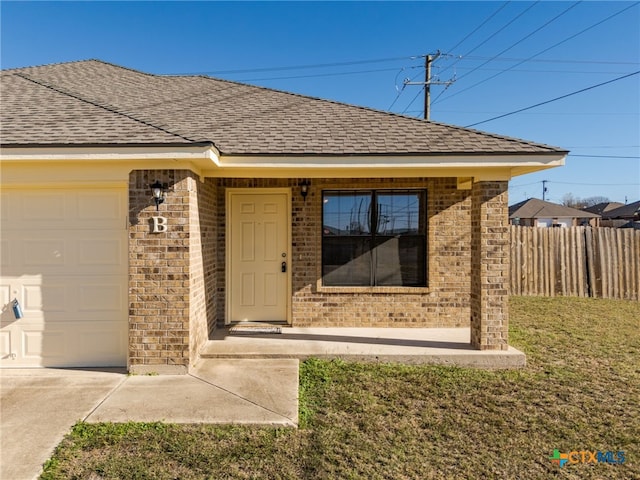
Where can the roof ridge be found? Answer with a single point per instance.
(108, 108)
(10, 70)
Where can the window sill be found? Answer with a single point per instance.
(396, 290)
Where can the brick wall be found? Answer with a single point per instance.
(202, 263)
(177, 278)
(169, 308)
(446, 301)
(489, 266)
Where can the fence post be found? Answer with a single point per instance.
(591, 280)
(580, 261)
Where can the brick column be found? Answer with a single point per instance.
(489, 266)
(159, 274)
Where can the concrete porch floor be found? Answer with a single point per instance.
(444, 346)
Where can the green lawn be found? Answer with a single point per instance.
(579, 392)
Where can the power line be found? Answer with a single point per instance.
(298, 67)
(479, 26)
(600, 184)
(549, 60)
(577, 183)
(316, 75)
(604, 146)
(545, 113)
(503, 28)
(355, 72)
(526, 70)
(547, 23)
(510, 47)
(378, 60)
(414, 99)
(604, 156)
(525, 185)
(554, 99)
(482, 43)
(492, 35)
(542, 51)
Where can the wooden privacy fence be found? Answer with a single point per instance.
(575, 261)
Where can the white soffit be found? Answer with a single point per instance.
(211, 163)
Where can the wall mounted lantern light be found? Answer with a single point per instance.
(158, 192)
(304, 189)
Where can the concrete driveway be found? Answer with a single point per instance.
(39, 406)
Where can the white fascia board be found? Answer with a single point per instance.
(202, 155)
(479, 167)
(391, 161)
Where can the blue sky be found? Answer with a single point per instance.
(504, 56)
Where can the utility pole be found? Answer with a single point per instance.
(427, 86)
(544, 189)
(428, 81)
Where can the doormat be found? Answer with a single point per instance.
(254, 329)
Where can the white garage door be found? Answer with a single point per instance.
(63, 256)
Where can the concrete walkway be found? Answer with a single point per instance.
(248, 391)
(240, 379)
(39, 406)
(446, 346)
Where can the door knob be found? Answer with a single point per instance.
(283, 267)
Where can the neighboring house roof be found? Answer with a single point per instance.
(93, 103)
(629, 211)
(535, 208)
(601, 208)
(634, 225)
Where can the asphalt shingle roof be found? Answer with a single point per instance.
(629, 210)
(535, 208)
(93, 102)
(603, 207)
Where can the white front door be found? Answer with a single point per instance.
(258, 255)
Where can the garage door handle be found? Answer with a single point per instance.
(17, 310)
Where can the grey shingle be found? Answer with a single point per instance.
(630, 211)
(535, 208)
(96, 102)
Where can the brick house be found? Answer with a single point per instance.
(538, 213)
(270, 206)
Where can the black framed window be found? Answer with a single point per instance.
(374, 238)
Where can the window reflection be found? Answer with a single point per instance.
(374, 238)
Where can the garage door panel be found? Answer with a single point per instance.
(100, 298)
(95, 250)
(5, 253)
(100, 208)
(107, 344)
(84, 254)
(63, 208)
(64, 344)
(44, 346)
(45, 252)
(5, 293)
(30, 253)
(65, 258)
(43, 299)
(5, 207)
(47, 207)
(54, 298)
(5, 344)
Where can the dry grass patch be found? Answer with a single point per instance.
(579, 391)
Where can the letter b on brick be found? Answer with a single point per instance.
(159, 225)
